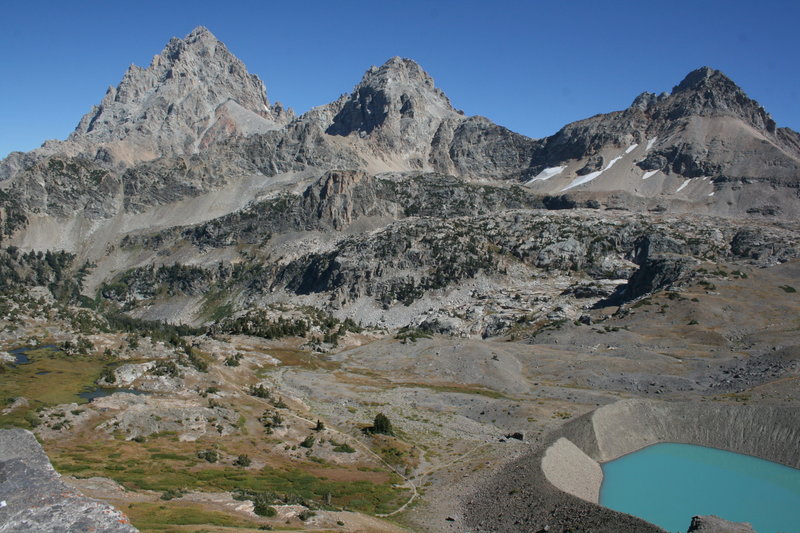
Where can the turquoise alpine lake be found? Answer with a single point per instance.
(667, 484)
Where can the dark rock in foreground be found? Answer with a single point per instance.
(715, 524)
(37, 500)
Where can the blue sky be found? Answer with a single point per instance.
(530, 66)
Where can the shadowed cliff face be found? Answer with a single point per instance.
(398, 95)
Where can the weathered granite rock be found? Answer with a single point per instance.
(37, 500)
(193, 92)
(657, 273)
(754, 243)
(594, 163)
(445, 247)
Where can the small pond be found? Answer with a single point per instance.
(20, 354)
(103, 392)
(667, 484)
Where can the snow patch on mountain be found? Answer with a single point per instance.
(546, 174)
(649, 174)
(591, 176)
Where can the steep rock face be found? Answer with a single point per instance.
(708, 92)
(163, 182)
(397, 114)
(65, 187)
(342, 196)
(61, 186)
(194, 92)
(299, 146)
(37, 500)
(476, 147)
(397, 103)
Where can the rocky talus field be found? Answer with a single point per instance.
(383, 314)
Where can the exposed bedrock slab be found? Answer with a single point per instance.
(553, 486)
(37, 500)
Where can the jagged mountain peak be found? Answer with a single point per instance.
(398, 89)
(195, 95)
(706, 127)
(172, 106)
(707, 91)
(647, 99)
(397, 70)
(200, 33)
(200, 42)
(702, 77)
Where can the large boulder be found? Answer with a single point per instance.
(35, 499)
(657, 272)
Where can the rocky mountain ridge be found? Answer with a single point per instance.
(195, 123)
(391, 171)
(707, 127)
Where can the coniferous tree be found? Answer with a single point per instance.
(382, 425)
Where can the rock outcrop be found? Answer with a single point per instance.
(36, 499)
(715, 524)
(655, 273)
